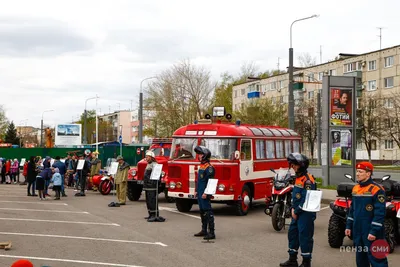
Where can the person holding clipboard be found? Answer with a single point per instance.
(301, 229)
(205, 173)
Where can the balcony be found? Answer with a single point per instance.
(253, 95)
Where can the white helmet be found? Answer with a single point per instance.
(150, 153)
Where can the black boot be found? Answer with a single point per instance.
(210, 218)
(306, 263)
(292, 262)
(203, 231)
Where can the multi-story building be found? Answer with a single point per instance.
(377, 72)
(116, 119)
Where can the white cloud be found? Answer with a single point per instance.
(56, 54)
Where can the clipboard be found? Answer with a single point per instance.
(113, 168)
(312, 203)
(211, 188)
(81, 163)
(156, 172)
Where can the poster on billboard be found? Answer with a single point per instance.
(341, 147)
(341, 106)
(68, 135)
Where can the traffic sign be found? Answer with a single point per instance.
(120, 139)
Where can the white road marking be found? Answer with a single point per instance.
(88, 238)
(60, 211)
(66, 260)
(324, 208)
(54, 221)
(177, 211)
(38, 202)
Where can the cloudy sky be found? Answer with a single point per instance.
(55, 54)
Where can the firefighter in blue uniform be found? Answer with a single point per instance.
(301, 229)
(366, 216)
(205, 172)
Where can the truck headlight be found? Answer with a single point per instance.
(134, 173)
(172, 185)
(221, 188)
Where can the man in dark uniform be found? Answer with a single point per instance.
(366, 216)
(301, 229)
(205, 172)
(150, 187)
(83, 176)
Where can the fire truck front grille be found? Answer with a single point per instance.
(174, 172)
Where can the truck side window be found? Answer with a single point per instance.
(245, 150)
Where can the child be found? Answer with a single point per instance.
(57, 182)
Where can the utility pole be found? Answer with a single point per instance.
(380, 37)
(320, 54)
(278, 63)
(141, 109)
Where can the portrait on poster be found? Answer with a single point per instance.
(341, 107)
(341, 147)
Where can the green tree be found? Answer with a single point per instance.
(105, 128)
(263, 112)
(3, 123)
(11, 134)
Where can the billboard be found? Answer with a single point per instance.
(341, 147)
(68, 135)
(341, 106)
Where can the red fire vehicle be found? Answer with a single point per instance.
(161, 148)
(241, 154)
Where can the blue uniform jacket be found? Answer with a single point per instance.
(367, 210)
(302, 184)
(205, 172)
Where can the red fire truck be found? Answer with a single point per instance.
(241, 154)
(161, 148)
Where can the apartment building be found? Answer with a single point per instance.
(116, 119)
(376, 72)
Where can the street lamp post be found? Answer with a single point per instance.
(41, 127)
(291, 97)
(141, 109)
(85, 121)
(97, 128)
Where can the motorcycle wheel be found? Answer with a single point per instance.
(105, 187)
(277, 216)
(336, 229)
(390, 234)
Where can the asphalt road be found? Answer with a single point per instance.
(84, 231)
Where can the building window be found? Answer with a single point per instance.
(273, 86)
(320, 76)
(352, 67)
(243, 91)
(388, 102)
(280, 84)
(388, 123)
(310, 77)
(235, 93)
(373, 144)
(311, 95)
(388, 82)
(388, 144)
(332, 72)
(372, 65)
(359, 145)
(389, 61)
(371, 85)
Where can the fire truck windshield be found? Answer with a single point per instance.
(160, 151)
(183, 148)
(220, 148)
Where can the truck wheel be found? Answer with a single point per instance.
(183, 205)
(134, 191)
(243, 205)
(169, 199)
(390, 234)
(336, 229)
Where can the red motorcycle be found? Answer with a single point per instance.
(279, 207)
(341, 208)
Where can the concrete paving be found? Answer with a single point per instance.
(84, 231)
